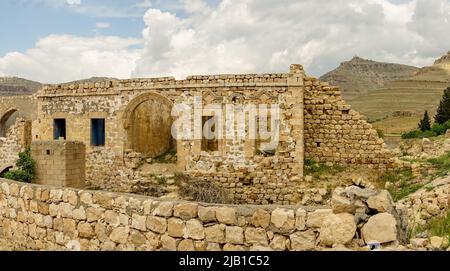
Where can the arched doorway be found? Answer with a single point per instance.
(7, 120)
(148, 123)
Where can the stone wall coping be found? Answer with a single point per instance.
(242, 209)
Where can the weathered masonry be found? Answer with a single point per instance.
(121, 120)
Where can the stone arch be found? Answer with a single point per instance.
(5, 168)
(148, 122)
(4, 121)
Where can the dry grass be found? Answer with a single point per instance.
(201, 191)
(379, 104)
(396, 125)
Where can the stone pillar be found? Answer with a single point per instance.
(296, 90)
(59, 163)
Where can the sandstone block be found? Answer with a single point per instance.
(303, 240)
(316, 218)
(186, 211)
(176, 227)
(138, 222)
(381, 227)
(207, 214)
(382, 202)
(119, 235)
(156, 224)
(195, 230)
(226, 215)
(215, 234)
(337, 229)
(256, 236)
(261, 218)
(234, 235)
(283, 220)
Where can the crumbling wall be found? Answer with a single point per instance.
(336, 133)
(17, 139)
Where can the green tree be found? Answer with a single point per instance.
(424, 124)
(443, 112)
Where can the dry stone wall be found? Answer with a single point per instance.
(335, 133)
(36, 217)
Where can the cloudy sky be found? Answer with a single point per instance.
(62, 40)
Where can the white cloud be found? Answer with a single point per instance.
(101, 25)
(267, 36)
(61, 58)
(239, 36)
(74, 2)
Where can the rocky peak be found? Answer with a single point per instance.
(444, 59)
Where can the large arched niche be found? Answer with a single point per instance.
(148, 122)
(6, 120)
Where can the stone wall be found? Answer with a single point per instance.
(59, 163)
(36, 217)
(17, 138)
(336, 133)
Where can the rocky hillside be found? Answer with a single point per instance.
(17, 86)
(361, 75)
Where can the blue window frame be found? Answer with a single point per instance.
(98, 132)
(59, 129)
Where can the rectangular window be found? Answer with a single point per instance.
(209, 141)
(59, 129)
(98, 132)
(264, 134)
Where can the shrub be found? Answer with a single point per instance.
(204, 191)
(318, 169)
(443, 112)
(437, 226)
(418, 134)
(25, 171)
(380, 133)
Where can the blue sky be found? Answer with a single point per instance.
(148, 38)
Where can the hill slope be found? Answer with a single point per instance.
(359, 75)
(398, 105)
(18, 86)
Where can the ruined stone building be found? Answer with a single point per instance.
(119, 120)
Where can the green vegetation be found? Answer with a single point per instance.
(425, 124)
(25, 171)
(166, 158)
(437, 226)
(401, 183)
(443, 112)
(161, 180)
(316, 169)
(441, 123)
(436, 130)
(442, 164)
(380, 133)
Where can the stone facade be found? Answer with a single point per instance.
(314, 123)
(37, 217)
(59, 163)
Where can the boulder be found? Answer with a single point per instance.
(436, 242)
(382, 202)
(381, 227)
(337, 229)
